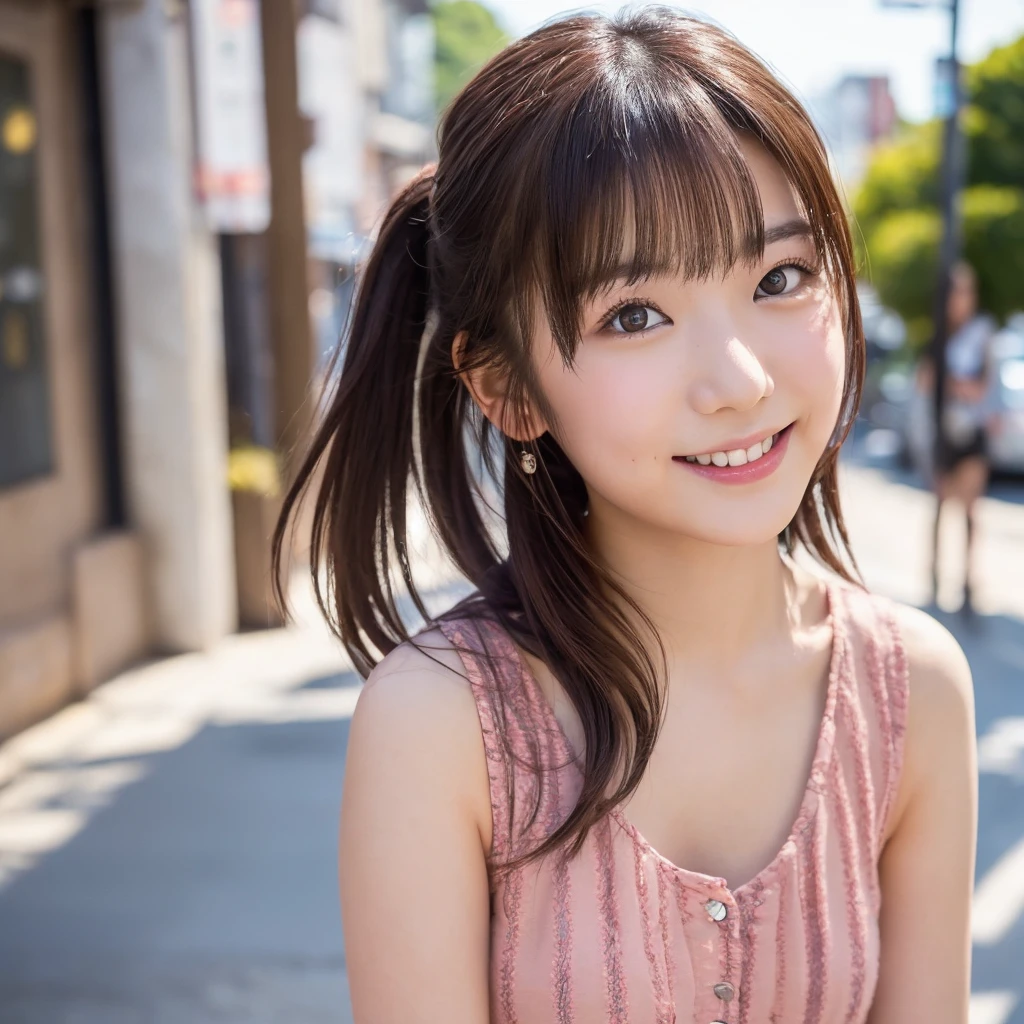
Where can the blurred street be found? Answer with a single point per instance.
(167, 847)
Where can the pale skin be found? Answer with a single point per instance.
(746, 638)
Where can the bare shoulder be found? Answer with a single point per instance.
(416, 714)
(426, 669)
(940, 735)
(940, 677)
(421, 687)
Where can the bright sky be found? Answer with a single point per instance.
(813, 43)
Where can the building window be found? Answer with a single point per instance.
(26, 449)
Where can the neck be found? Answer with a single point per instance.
(710, 603)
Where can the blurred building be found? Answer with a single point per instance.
(137, 283)
(389, 70)
(855, 115)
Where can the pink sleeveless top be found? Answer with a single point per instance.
(620, 935)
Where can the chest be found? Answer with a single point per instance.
(617, 938)
(721, 800)
(730, 769)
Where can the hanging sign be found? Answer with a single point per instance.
(231, 175)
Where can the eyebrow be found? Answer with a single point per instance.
(794, 228)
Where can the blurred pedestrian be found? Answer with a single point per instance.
(960, 471)
(652, 768)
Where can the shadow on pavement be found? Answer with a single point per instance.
(206, 891)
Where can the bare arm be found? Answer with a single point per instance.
(415, 826)
(927, 866)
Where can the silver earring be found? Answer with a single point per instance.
(529, 462)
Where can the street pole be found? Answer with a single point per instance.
(288, 280)
(952, 183)
(949, 202)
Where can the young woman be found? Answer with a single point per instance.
(961, 472)
(654, 768)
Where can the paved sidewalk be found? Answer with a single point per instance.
(890, 520)
(167, 847)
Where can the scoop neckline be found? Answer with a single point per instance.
(809, 803)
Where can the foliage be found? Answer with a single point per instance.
(903, 255)
(896, 207)
(905, 246)
(466, 36)
(903, 174)
(995, 122)
(994, 242)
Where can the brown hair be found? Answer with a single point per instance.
(590, 140)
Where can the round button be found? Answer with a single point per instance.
(716, 910)
(724, 991)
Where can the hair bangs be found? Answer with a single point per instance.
(645, 179)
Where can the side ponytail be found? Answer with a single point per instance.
(585, 141)
(366, 441)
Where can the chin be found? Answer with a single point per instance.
(750, 535)
(749, 524)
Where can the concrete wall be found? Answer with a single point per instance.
(167, 285)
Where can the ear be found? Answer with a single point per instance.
(488, 388)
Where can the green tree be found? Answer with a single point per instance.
(994, 243)
(995, 118)
(902, 261)
(903, 174)
(896, 206)
(466, 36)
(903, 255)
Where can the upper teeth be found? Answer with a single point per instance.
(736, 457)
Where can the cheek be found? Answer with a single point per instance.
(610, 411)
(814, 368)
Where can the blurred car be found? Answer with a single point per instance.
(881, 411)
(1006, 426)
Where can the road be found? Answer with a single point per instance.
(167, 847)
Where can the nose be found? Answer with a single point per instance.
(727, 375)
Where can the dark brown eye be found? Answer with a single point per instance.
(782, 280)
(774, 282)
(634, 318)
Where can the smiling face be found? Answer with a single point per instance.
(670, 368)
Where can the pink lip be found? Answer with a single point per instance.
(752, 471)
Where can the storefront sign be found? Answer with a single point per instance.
(232, 177)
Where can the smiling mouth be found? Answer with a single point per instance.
(741, 464)
(737, 456)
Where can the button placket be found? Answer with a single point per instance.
(718, 911)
